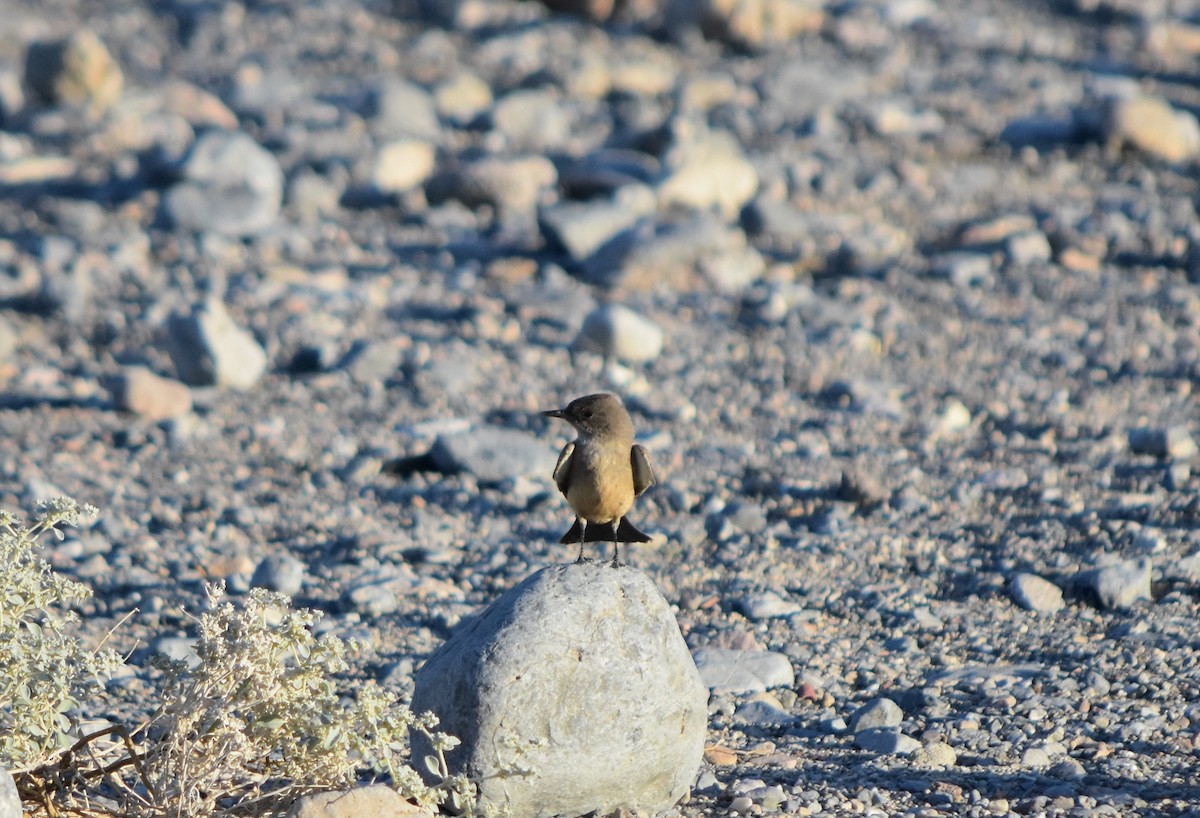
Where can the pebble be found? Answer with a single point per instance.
(1028, 247)
(533, 120)
(764, 711)
(377, 592)
(493, 454)
(767, 605)
(282, 573)
(231, 186)
(886, 741)
(616, 331)
(1035, 757)
(151, 396)
(402, 165)
(402, 110)
(879, 712)
(1068, 770)
(725, 670)
(1120, 585)
(179, 648)
(77, 70)
(586, 229)
(1034, 593)
(376, 800)
(209, 349)
(515, 184)
(935, 754)
(708, 171)
(462, 98)
(963, 268)
(1173, 442)
(1151, 125)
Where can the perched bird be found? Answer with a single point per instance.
(601, 472)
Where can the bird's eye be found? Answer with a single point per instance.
(587, 413)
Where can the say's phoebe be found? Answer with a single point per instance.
(601, 472)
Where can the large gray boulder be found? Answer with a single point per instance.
(573, 692)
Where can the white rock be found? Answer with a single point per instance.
(743, 671)
(402, 165)
(618, 332)
(572, 693)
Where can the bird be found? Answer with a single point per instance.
(601, 472)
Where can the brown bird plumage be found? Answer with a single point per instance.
(601, 472)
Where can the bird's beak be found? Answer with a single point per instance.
(555, 413)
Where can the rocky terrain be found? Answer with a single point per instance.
(901, 295)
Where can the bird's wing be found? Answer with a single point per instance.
(562, 469)
(643, 472)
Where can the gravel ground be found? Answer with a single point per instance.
(901, 296)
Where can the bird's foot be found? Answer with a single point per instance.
(616, 560)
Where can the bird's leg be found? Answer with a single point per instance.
(616, 541)
(582, 541)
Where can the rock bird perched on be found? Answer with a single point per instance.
(601, 472)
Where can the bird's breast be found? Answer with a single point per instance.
(601, 486)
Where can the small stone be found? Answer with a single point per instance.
(767, 605)
(402, 165)
(376, 800)
(462, 98)
(1068, 770)
(585, 229)
(746, 23)
(231, 186)
(1119, 585)
(741, 805)
(1174, 442)
(963, 268)
(879, 712)
(1028, 247)
(886, 741)
(377, 592)
(402, 110)
(720, 756)
(579, 678)
(743, 671)
(533, 119)
(78, 70)
(154, 398)
(512, 184)
(935, 754)
(282, 573)
(1034, 593)
(615, 331)
(1151, 125)
(708, 171)
(1189, 567)
(764, 711)
(179, 648)
(209, 349)
(492, 454)
(1035, 757)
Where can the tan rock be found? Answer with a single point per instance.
(154, 398)
(376, 801)
(1152, 126)
(403, 165)
(78, 70)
